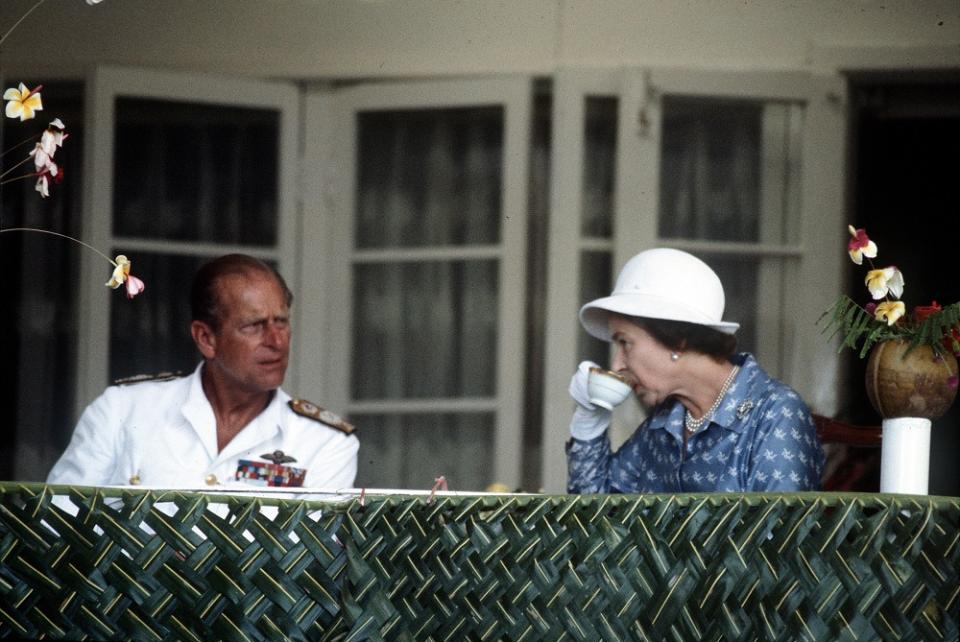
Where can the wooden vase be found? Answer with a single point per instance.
(910, 383)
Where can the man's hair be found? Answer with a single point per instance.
(681, 335)
(205, 304)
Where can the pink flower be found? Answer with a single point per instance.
(134, 286)
(859, 245)
(43, 181)
(52, 138)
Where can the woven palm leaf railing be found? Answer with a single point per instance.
(129, 564)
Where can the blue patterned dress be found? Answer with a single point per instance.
(762, 438)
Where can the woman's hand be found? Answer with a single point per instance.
(589, 421)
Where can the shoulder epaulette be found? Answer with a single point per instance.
(313, 411)
(141, 378)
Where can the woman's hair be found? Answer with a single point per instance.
(204, 293)
(681, 335)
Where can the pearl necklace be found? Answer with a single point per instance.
(694, 425)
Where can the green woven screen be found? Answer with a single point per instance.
(181, 565)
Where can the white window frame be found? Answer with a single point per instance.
(103, 87)
(797, 354)
(329, 183)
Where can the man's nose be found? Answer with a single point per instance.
(275, 334)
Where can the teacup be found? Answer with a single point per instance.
(607, 388)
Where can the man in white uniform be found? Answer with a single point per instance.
(228, 423)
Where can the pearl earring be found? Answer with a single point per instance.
(674, 356)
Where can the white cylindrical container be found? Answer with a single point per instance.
(905, 456)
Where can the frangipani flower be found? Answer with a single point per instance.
(43, 180)
(121, 274)
(888, 279)
(52, 138)
(890, 311)
(43, 185)
(23, 103)
(121, 268)
(859, 245)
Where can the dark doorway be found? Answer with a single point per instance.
(904, 168)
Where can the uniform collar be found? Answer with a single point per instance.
(199, 412)
(733, 414)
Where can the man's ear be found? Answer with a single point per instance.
(205, 338)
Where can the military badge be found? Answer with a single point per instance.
(278, 457)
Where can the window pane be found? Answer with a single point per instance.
(599, 166)
(739, 278)
(595, 282)
(429, 177)
(425, 329)
(151, 334)
(410, 451)
(189, 172)
(710, 179)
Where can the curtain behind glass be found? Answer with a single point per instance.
(426, 328)
(429, 177)
(190, 172)
(39, 285)
(710, 169)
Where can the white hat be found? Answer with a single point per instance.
(661, 283)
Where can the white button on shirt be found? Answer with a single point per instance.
(163, 434)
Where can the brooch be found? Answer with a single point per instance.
(744, 408)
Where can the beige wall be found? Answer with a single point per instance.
(319, 39)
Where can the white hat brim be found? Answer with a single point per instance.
(594, 316)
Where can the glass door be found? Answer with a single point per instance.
(421, 245)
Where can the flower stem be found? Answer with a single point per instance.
(22, 18)
(25, 160)
(29, 139)
(64, 236)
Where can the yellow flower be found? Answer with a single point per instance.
(23, 103)
(879, 282)
(121, 275)
(890, 311)
(120, 271)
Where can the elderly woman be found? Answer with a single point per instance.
(717, 421)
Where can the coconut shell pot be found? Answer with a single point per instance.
(904, 382)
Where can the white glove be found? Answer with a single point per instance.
(589, 421)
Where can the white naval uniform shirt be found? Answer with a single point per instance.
(164, 434)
